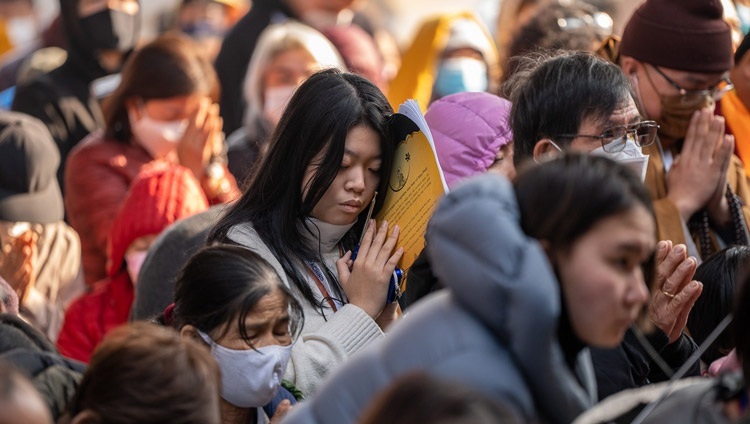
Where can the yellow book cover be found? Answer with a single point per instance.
(416, 183)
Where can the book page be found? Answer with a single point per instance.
(415, 187)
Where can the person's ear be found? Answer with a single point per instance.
(629, 65)
(132, 107)
(190, 332)
(87, 416)
(545, 150)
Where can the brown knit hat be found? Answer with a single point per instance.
(687, 35)
(157, 197)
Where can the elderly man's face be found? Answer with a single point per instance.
(624, 115)
(590, 126)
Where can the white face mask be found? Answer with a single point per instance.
(134, 261)
(275, 100)
(22, 31)
(631, 156)
(249, 378)
(159, 138)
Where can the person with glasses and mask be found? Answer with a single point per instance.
(677, 56)
(100, 33)
(574, 101)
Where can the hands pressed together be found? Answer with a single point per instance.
(366, 280)
(203, 139)
(697, 179)
(675, 292)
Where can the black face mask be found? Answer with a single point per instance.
(110, 30)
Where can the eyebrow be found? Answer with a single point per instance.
(634, 120)
(356, 155)
(630, 247)
(260, 324)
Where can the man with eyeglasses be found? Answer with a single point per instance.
(677, 55)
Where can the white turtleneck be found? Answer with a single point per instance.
(324, 238)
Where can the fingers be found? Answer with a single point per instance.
(667, 267)
(364, 247)
(723, 154)
(681, 306)
(377, 242)
(681, 276)
(284, 407)
(343, 266)
(697, 128)
(662, 250)
(388, 246)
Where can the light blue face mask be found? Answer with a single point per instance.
(459, 75)
(744, 14)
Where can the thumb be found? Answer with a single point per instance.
(281, 411)
(342, 266)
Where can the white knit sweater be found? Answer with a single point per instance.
(325, 342)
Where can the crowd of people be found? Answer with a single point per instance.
(187, 228)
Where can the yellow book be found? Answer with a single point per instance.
(416, 183)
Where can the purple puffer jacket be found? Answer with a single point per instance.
(468, 129)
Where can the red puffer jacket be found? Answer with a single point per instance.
(97, 178)
(95, 314)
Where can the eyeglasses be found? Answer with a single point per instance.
(614, 139)
(716, 92)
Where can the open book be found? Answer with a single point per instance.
(416, 183)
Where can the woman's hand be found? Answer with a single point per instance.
(17, 262)
(202, 139)
(674, 291)
(390, 314)
(284, 407)
(366, 280)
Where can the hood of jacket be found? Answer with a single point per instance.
(503, 277)
(468, 130)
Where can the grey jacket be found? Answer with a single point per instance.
(494, 329)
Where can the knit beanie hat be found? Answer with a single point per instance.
(358, 50)
(158, 196)
(467, 33)
(686, 35)
(29, 158)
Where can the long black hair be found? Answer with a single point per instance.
(318, 118)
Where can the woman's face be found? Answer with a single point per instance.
(356, 181)
(175, 108)
(289, 68)
(601, 277)
(266, 325)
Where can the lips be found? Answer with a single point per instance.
(352, 205)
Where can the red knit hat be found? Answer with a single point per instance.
(687, 35)
(157, 197)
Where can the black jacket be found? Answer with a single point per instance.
(234, 57)
(629, 365)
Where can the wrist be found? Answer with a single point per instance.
(719, 213)
(686, 209)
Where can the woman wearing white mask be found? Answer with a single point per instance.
(233, 301)
(164, 110)
(285, 56)
(452, 53)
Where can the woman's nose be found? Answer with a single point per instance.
(356, 180)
